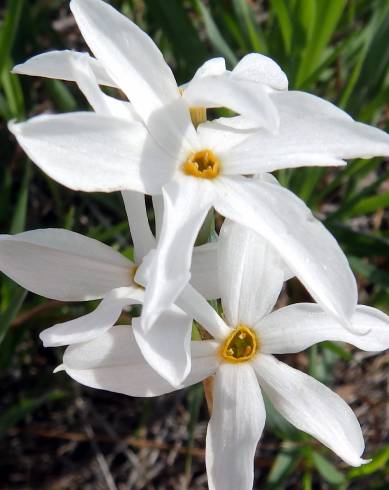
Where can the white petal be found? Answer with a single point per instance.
(129, 55)
(63, 265)
(235, 427)
(83, 69)
(312, 407)
(250, 274)
(59, 65)
(297, 327)
(197, 307)
(214, 66)
(245, 98)
(85, 78)
(312, 132)
(173, 130)
(257, 68)
(186, 203)
(310, 251)
(137, 66)
(141, 235)
(90, 152)
(204, 270)
(114, 362)
(166, 345)
(93, 324)
(220, 138)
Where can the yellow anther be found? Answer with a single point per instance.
(240, 346)
(198, 115)
(203, 164)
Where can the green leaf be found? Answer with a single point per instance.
(320, 22)
(357, 243)
(337, 350)
(285, 462)
(278, 424)
(373, 274)
(185, 40)
(245, 16)
(13, 92)
(61, 95)
(379, 462)
(327, 470)
(17, 296)
(281, 9)
(369, 205)
(19, 217)
(8, 29)
(216, 38)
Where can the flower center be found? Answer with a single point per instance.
(203, 164)
(240, 346)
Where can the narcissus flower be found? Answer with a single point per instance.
(67, 266)
(241, 358)
(153, 147)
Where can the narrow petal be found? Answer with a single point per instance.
(141, 235)
(129, 55)
(248, 99)
(310, 251)
(59, 65)
(312, 407)
(251, 274)
(63, 265)
(198, 308)
(312, 132)
(114, 362)
(186, 203)
(235, 427)
(257, 68)
(94, 324)
(103, 104)
(90, 152)
(166, 345)
(297, 327)
(86, 71)
(204, 270)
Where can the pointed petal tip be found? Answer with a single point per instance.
(357, 462)
(59, 368)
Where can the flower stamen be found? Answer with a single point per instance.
(240, 346)
(203, 164)
(198, 115)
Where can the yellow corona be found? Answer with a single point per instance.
(203, 164)
(240, 346)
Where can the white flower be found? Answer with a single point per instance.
(241, 356)
(67, 266)
(158, 150)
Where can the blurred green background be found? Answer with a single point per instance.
(56, 434)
